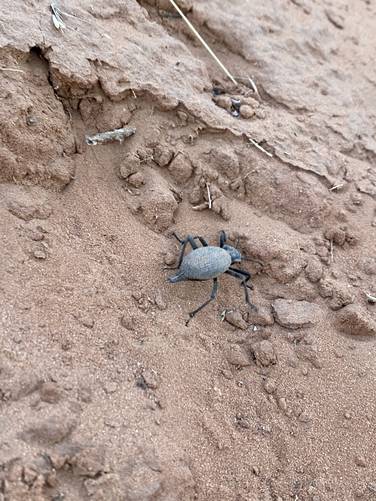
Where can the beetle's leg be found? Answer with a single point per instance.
(222, 238)
(213, 295)
(244, 276)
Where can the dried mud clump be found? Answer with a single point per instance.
(37, 143)
(156, 204)
(356, 321)
(181, 169)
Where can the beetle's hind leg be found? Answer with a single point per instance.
(222, 239)
(213, 295)
(243, 276)
(189, 240)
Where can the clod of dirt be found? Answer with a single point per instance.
(162, 155)
(314, 270)
(128, 322)
(104, 488)
(264, 353)
(28, 207)
(308, 353)
(181, 169)
(137, 180)
(130, 165)
(160, 301)
(356, 321)
(157, 204)
(368, 265)
(50, 392)
(246, 111)
(336, 235)
(150, 378)
(88, 462)
(339, 293)
(225, 161)
(270, 386)
(85, 320)
(295, 314)
(51, 430)
(39, 253)
(263, 316)
(237, 356)
(16, 388)
(221, 207)
(287, 267)
(110, 387)
(235, 318)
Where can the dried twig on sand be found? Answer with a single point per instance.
(110, 136)
(209, 196)
(259, 147)
(336, 187)
(16, 70)
(193, 29)
(331, 252)
(371, 298)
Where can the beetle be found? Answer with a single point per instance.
(208, 263)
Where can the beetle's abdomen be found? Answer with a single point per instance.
(205, 263)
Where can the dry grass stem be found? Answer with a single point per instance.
(331, 252)
(260, 147)
(209, 196)
(193, 29)
(336, 187)
(16, 70)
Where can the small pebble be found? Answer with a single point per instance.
(282, 404)
(151, 379)
(110, 387)
(360, 461)
(246, 111)
(128, 322)
(169, 258)
(40, 254)
(270, 386)
(234, 318)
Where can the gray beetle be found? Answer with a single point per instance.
(208, 263)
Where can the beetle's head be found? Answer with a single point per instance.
(236, 257)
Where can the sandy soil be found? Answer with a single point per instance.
(105, 394)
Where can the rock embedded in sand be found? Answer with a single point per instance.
(50, 392)
(246, 111)
(262, 316)
(264, 353)
(162, 155)
(137, 179)
(295, 314)
(51, 430)
(237, 356)
(181, 169)
(235, 318)
(314, 270)
(130, 165)
(356, 321)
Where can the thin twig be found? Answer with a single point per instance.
(134, 94)
(331, 252)
(191, 27)
(336, 187)
(260, 147)
(254, 86)
(209, 196)
(3, 68)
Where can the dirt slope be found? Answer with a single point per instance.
(105, 394)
